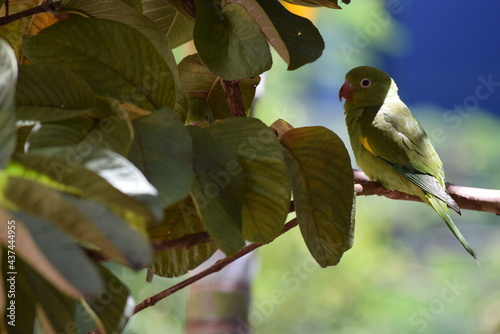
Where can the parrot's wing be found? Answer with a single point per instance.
(392, 133)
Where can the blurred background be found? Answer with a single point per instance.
(406, 272)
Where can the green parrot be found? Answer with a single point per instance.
(391, 146)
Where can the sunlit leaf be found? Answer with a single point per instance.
(180, 220)
(322, 177)
(199, 82)
(267, 185)
(162, 150)
(217, 190)
(39, 97)
(229, 41)
(99, 51)
(8, 77)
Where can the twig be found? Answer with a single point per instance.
(486, 200)
(49, 6)
(234, 97)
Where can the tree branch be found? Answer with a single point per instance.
(49, 6)
(234, 97)
(486, 200)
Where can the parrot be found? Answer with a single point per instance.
(390, 145)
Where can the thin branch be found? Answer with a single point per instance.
(486, 200)
(234, 97)
(49, 6)
(148, 302)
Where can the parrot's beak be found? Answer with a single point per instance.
(346, 91)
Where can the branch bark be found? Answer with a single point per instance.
(49, 6)
(486, 200)
(234, 97)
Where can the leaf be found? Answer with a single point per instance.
(8, 77)
(76, 180)
(321, 172)
(217, 190)
(135, 248)
(298, 41)
(39, 200)
(267, 185)
(199, 82)
(229, 41)
(116, 10)
(162, 150)
(81, 135)
(41, 98)
(318, 3)
(179, 220)
(99, 51)
(112, 306)
(175, 26)
(14, 31)
(62, 252)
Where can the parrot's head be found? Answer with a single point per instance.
(366, 86)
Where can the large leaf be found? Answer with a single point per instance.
(318, 3)
(162, 150)
(179, 221)
(116, 10)
(267, 185)
(297, 40)
(229, 41)
(322, 177)
(63, 254)
(8, 76)
(217, 190)
(76, 180)
(81, 135)
(100, 51)
(177, 27)
(42, 201)
(199, 82)
(40, 97)
(110, 308)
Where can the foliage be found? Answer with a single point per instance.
(110, 150)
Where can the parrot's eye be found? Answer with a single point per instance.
(365, 83)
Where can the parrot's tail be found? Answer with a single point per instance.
(442, 210)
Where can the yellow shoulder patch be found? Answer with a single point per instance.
(364, 142)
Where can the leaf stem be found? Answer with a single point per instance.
(49, 6)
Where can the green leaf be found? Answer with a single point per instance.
(299, 41)
(162, 150)
(229, 41)
(199, 82)
(51, 93)
(81, 135)
(267, 185)
(217, 190)
(111, 307)
(62, 252)
(321, 172)
(179, 220)
(134, 247)
(8, 77)
(177, 27)
(42, 201)
(116, 10)
(100, 51)
(318, 3)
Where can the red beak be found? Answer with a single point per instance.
(346, 91)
